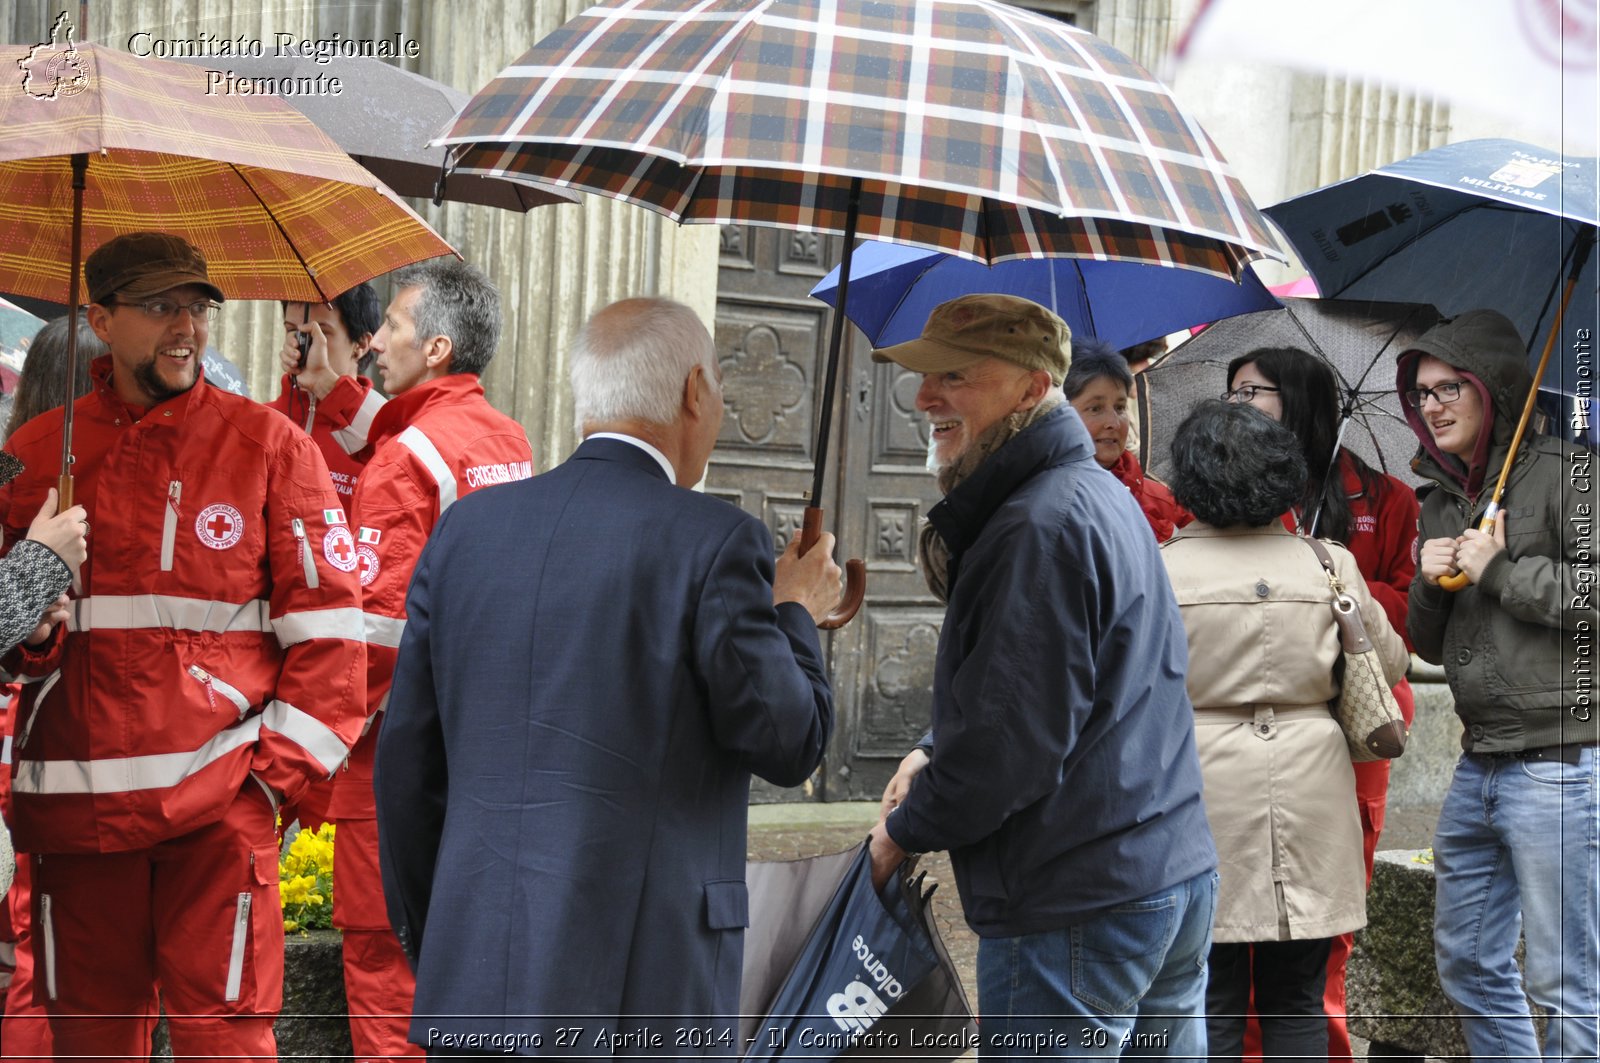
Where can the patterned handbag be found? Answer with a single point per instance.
(1365, 707)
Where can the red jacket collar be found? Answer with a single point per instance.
(401, 410)
(174, 411)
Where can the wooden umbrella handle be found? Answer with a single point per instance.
(64, 492)
(855, 573)
(1459, 580)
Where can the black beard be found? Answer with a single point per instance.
(152, 384)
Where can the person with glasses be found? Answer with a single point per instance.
(1519, 829)
(211, 665)
(1372, 515)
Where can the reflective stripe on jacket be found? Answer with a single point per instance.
(211, 636)
(429, 446)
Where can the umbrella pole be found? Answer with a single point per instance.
(1580, 258)
(80, 167)
(811, 524)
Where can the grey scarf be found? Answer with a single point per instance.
(931, 549)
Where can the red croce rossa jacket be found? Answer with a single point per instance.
(210, 637)
(429, 445)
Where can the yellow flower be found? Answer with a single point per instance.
(305, 880)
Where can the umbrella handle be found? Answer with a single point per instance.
(855, 574)
(1459, 580)
(64, 493)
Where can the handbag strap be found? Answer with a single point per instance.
(1352, 630)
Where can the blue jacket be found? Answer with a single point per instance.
(1064, 778)
(591, 670)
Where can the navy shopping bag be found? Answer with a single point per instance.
(870, 978)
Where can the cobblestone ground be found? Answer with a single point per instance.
(785, 832)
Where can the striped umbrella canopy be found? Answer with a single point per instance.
(969, 126)
(278, 210)
(100, 143)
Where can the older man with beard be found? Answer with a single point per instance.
(1063, 776)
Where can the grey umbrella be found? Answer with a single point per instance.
(382, 116)
(1358, 338)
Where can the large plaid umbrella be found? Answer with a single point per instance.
(100, 143)
(962, 125)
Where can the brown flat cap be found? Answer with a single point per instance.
(966, 329)
(139, 265)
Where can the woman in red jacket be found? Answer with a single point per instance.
(1373, 515)
(1098, 386)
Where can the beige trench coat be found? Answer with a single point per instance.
(1279, 788)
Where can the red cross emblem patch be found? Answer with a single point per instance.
(339, 548)
(366, 564)
(219, 526)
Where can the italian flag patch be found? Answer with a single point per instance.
(333, 516)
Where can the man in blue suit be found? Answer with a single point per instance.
(595, 661)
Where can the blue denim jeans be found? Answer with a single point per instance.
(1517, 846)
(1129, 983)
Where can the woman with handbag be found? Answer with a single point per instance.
(1371, 514)
(1280, 790)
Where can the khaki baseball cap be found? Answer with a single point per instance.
(139, 265)
(965, 330)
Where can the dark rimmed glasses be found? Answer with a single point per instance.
(1247, 392)
(167, 309)
(1443, 393)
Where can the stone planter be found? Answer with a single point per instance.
(1392, 988)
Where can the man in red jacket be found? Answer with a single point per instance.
(212, 664)
(347, 325)
(436, 439)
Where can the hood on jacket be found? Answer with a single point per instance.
(1485, 347)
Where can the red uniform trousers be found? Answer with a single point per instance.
(24, 1031)
(378, 983)
(199, 914)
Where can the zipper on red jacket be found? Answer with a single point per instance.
(307, 562)
(241, 926)
(169, 524)
(38, 700)
(215, 687)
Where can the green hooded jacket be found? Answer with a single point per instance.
(1519, 647)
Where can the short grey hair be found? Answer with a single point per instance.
(629, 362)
(459, 301)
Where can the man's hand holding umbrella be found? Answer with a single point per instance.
(810, 579)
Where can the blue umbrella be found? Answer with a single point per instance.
(1484, 223)
(893, 288)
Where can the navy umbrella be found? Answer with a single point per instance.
(893, 288)
(1484, 223)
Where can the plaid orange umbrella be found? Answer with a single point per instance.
(279, 211)
(967, 126)
(100, 143)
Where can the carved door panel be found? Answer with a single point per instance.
(772, 343)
